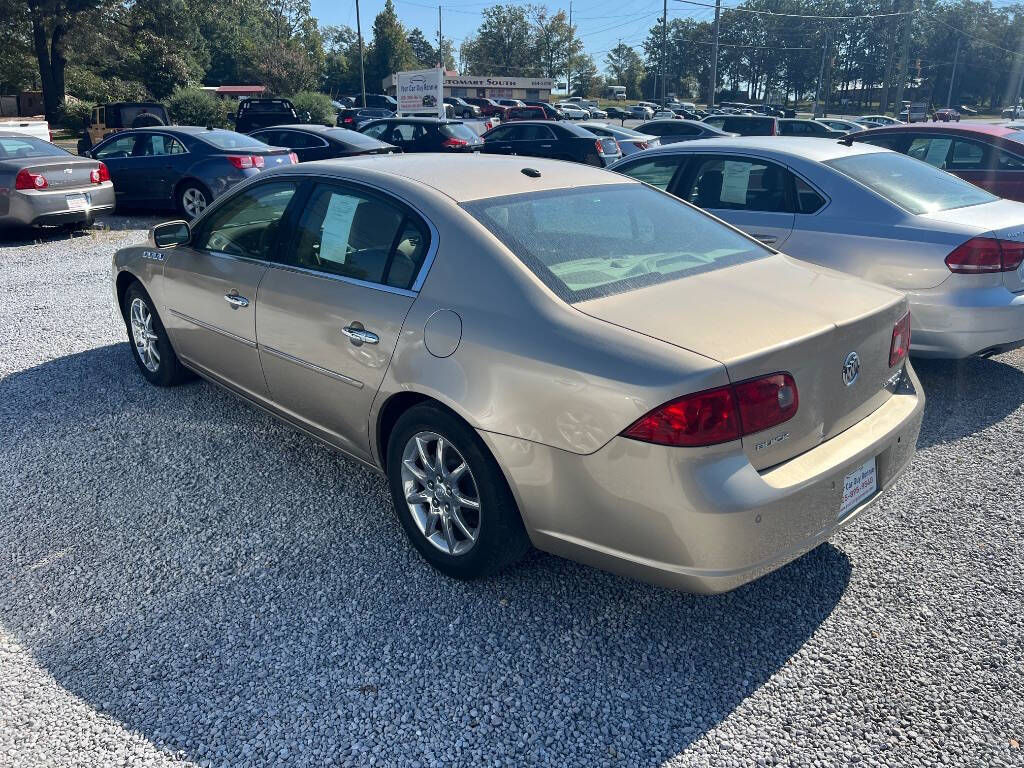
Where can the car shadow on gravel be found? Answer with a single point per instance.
(234, 590)
(966, 396)
(20, 236)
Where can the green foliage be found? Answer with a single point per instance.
(625, 67)
(505, 44)
(318, 105)
(390, 51)
(96, 89)
(194, 106)
(73, 114)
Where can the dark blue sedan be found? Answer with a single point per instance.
(183, 167)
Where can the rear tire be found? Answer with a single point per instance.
(457, 511)
(151, 348)
(193, 198)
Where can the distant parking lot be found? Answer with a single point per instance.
(187, 581)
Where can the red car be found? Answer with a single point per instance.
(990, 156)
(488, 107)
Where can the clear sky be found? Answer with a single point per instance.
(600, 23)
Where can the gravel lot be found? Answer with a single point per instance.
(184, 580)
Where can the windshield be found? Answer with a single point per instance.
(909, 183)
(231, 140)
(14, 147)
(599, 241)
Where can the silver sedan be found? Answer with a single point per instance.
(40, 183)
(955, 249)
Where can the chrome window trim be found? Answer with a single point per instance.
(428, 258)
(311, 366)
(214, 328)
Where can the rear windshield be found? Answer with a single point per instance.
(457, 131)
(599, 241)
(353, 138)
(266, 106)
(231, 140)
(14, 147)
(911, 184)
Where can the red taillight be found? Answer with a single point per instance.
(99, 175)
(294, 158)
(766, 401)
(720, 415)
(242, 162)
(28, 180)
(985, 254)
(704, 418)
(348, 120)
(454, 143)
(600, 147)
(900, 340)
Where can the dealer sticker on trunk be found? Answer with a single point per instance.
(858, 486)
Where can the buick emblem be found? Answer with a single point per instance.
(851, 368)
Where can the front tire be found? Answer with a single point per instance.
(451, 497)
(151, 348)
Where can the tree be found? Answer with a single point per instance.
(555, 42)
(503, 45)
(51, 21)
(390, 51)
(585, 78)
(626, 68)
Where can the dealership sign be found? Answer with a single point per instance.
(462, 81)
(419, 92)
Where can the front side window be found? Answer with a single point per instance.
(656, 172)
(933, 150)
(121, 146)
(247, 224)
(599, 241)
(361, 236)
(739, 184)
(914, 186)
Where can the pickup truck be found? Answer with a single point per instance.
(263, 113)
(38, 128)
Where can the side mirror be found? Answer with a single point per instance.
(170, 234)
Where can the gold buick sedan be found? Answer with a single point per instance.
(541, 353)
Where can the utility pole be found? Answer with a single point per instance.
(664, 49)
(904, 56)
(568, 63)
(714, 59)
(440, 41)
(821, 72)
(952, 77)
(362, 75)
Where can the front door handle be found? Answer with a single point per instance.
(235, 300)
(767, 239)
(359, 335)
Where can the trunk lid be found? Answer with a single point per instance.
(609, 147)
(65, 173)
(1000, 219)
(775, 315)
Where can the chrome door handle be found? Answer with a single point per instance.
(360, 336)
(767, 239)
(545, 146)
(235, 300)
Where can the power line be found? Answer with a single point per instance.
(797, 15)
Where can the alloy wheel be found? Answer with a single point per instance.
(143, 336)
(194, 202)
(441, 493)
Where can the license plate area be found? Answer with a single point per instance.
(858, 486)
(77, 202)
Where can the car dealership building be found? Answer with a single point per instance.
(538, 88)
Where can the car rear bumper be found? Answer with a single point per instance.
(701, 520)
(958, 324)
(37, 207)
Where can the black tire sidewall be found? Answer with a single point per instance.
(169, 371)
(502, 538)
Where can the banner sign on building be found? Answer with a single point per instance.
(419, 92)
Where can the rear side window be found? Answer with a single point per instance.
(362, 236)
(599, 241)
